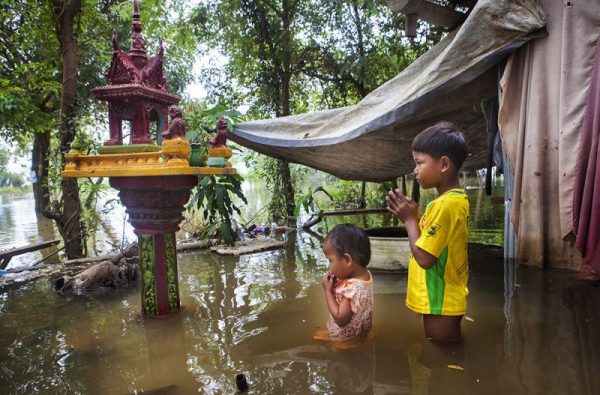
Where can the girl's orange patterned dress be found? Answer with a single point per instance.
(360, 294)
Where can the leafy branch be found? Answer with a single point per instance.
(213, 197)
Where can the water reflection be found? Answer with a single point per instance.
(528, 330)
(20, 226)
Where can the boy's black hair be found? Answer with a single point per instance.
(350, 239)
(442, 139)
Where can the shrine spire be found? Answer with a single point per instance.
(137, 49)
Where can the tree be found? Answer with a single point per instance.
(45, 85)
(29, 88)
(66, 14)
(7, 178)
(259, 39)
(356, 46)
(289, 57)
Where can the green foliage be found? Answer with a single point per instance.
(8, 179)
(4, 158)
(269, 171)
(306, 202)
(30, 83)
(377, 198)
(345, 194)
(213, 197)
(213, 194)
(332, 52)
(200, 121)
(291, 57)
(90, 192)
(309, 201)
(337, 194)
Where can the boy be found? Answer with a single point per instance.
(438, 269)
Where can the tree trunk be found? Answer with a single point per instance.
(362, 202)
(277, 49)
(360, 82)
(286, 174)
(288, 188)
(68, 220)
(39, 167)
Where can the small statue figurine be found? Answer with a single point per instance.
(220, 140)
(177, 126)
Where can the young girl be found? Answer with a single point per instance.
(348, 284)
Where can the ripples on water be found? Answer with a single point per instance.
(528, 331)
(19, 227)
(531, 331)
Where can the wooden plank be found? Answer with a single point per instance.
(316, 218)
(7, 255)
(356, 211)
(248, 247)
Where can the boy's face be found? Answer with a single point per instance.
(429, 170)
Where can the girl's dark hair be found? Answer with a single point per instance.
(442, 139)
(350, 239)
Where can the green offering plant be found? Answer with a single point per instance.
(200, 121)
(212, 196)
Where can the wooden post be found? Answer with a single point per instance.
(410, 25)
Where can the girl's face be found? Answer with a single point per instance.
(339, 265)
(428, 170)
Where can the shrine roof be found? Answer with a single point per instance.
(111, 92)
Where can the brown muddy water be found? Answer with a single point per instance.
(528, 331)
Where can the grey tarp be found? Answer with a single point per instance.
(371, 140)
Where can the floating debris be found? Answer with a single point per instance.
(456, 367)
(248, 247)
(240, 381)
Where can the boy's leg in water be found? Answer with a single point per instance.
(442, 328)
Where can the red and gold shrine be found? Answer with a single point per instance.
(152, 173)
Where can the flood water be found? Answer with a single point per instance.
(527, 331)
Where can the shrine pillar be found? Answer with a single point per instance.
(115, 127)
(155, 206)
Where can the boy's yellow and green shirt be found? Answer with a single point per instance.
(442, 289)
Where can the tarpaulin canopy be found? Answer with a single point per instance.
(371, 140)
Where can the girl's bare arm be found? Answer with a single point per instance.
(342, 312)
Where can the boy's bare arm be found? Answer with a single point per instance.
(406, 210)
